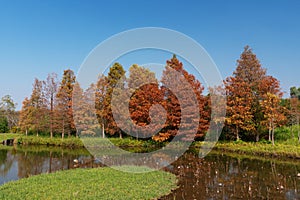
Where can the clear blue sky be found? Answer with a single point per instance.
(39, 37)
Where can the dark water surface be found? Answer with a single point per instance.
(217, 176)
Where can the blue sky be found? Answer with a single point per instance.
(40, 37)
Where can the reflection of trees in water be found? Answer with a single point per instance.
(6, 161)
(223, 177)
(32, 163)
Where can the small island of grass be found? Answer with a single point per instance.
(97, 183)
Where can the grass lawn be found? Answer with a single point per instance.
(97, 183)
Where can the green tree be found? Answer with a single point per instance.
(295, 92)
(8, 110)
(3, 124)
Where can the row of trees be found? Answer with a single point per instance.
(49, 108)
(255, 107)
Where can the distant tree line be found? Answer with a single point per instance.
(255, 107)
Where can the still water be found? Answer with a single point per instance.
(217, 176)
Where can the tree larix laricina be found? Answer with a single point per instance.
(84, 111)
(33, 115)
(51, 87)
(115, 74)
(101, 103)
(273, 113)
(146, 93)
(255, 84)
(174, 109)
(25, 116)
(295, 110)
(64, 112)
(239, 100)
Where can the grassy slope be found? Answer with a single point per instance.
(99, 183)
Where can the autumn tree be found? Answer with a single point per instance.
(116, 72)
(88, 112)
(217, 101)
(84, 111)
(273, 113)
(249, 70)
(146, 93)
(25, 116)
(238, 113)
(185, 92)
(295, 109)
(51, 87)
(37, 100)
(64, 113)
(100, 102)
(249, 73)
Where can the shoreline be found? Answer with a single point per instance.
(280, 150)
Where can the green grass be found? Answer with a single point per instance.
(5, 136)
(97, 183)
(282, 150)
(66, 142)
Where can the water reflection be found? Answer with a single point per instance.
(216, 176)
(225, 177)
(21, 163)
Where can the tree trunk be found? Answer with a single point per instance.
(103, 133)
(270, 131)
(273, 141)
(298, 128)
(63, 130)
(237, 134)
(273, 130)
(120, 134)
(26, 132)
(51, 115)
(257, 137)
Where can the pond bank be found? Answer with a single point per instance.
(279, 150)
(260, 149)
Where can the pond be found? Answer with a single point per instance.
(217, 176)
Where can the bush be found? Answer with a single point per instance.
(285, 133)
(3, 125)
